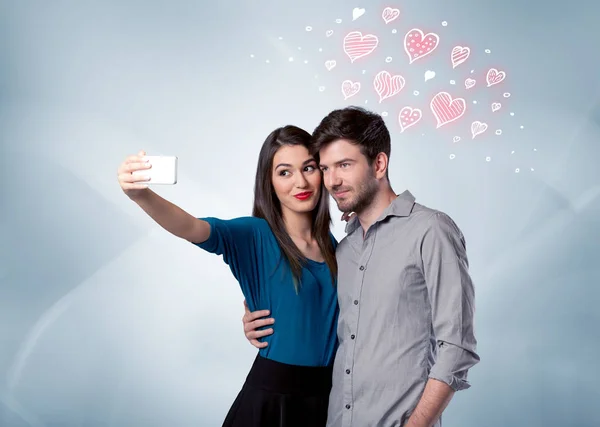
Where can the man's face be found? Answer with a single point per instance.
(348, 176)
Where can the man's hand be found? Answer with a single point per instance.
(433, 402)
(253, 321)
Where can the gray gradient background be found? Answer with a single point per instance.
(105, 320)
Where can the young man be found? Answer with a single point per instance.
(405, 329)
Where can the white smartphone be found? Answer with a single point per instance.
(163, 170)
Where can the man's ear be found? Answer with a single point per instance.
(380, 165)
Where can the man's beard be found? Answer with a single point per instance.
(361, 198)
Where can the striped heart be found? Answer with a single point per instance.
(459, 55)
(445, 109)
(356, 45)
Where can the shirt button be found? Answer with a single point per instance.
(347, 371)
(362, 267)
(355, 302)
(347, 406)
(352, 336)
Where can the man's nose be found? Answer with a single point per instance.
(332, 179)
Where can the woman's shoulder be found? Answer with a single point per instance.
(250, 221)
(240, 226)
(259, 226)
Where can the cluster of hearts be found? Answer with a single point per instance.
(444, 108)
(417, 45)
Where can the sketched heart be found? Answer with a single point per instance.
(494, 77)
(356, 45)
(389, 14)
(350, 88)
(387, 85)
(409, 117)
(445, 109)
(418, 45)
(477, 128)
(459, 55)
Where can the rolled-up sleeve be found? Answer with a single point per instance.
(452, 298)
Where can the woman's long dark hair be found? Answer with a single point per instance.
(268, 207)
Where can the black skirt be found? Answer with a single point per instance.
(280, 395)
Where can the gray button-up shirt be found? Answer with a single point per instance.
(406, 315)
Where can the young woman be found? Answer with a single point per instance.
(283, 257)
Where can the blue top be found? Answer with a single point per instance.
(305, 322)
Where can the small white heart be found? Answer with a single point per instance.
(357, 13)
(329, 33)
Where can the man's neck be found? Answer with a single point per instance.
(380, 203)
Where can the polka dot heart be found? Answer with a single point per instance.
(409, 116)
(417, 44)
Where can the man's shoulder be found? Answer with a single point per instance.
(424, 218)
(428, 220)
(427, 214)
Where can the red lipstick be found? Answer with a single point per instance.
(303, 196)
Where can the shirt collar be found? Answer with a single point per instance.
(401, 206)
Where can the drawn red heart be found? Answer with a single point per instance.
(408, 117)
(387, 85)
(417, 44)
(445, 109)
(356, 45)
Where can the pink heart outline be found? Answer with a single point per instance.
(387, 85)
(417, 32)
(415, 114)
(357, 45)
(445, 109)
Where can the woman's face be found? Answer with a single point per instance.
(296, 178)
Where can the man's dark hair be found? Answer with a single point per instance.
(357, 125)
